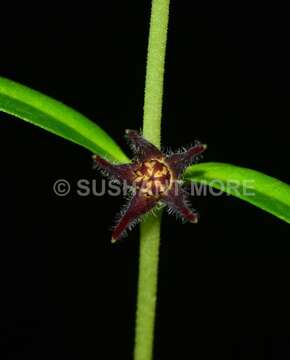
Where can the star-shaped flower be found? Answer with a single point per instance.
(154, 177)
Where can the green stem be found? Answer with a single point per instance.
(150, 229)
(147, 288)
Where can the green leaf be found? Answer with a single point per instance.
(261, 190)
(53, 116)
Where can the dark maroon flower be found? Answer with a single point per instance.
(154, 177)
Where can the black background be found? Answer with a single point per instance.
(224, 283)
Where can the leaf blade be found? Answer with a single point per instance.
(54, 116)
(271, 195)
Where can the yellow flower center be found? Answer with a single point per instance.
(153, 178)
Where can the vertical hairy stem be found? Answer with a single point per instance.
(147, 288)
(150, 229)
(155, 71)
